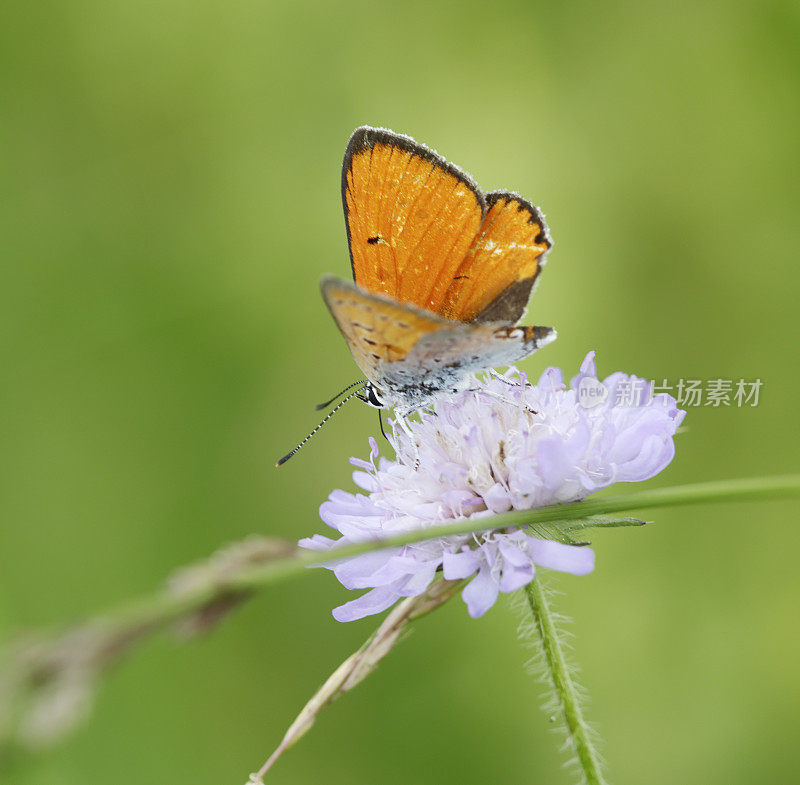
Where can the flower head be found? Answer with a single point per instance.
(504, 445)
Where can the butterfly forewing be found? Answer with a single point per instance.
(495, 278)
(411, 217)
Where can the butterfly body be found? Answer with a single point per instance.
(443, 272)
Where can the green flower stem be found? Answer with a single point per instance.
(163, 608)
(752, 489)
(564, 684)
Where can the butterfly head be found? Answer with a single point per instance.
(372, 396)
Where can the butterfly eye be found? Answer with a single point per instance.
(372, 397)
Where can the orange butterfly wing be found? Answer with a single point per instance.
(495, 278)
(411, 217)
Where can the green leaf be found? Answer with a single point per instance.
(601, 522)
(563, 531)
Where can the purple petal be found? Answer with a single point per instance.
(375, 601)
(655, 454)
(418, 581)
(516, 576)
(456, 566)
(497, 499)
(365, 480)
(551, 380)
(579, 560)
(357, 572)
(334, 512)
(480, 593)
(588, 368)
(400, 568)
(511, 548)
(553, 461)
(317, 543)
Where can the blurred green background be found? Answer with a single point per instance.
(169, 181)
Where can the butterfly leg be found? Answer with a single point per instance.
(498, 375)
(506, 399)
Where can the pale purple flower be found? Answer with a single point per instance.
(500, 446)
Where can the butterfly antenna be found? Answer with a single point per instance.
(326, 418)
(349, 387)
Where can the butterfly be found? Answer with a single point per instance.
(442, 272)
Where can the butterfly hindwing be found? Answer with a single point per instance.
(441, 361)
(412, 356)
(411, 217)
(496, 276)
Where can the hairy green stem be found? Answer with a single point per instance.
(564, 684)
